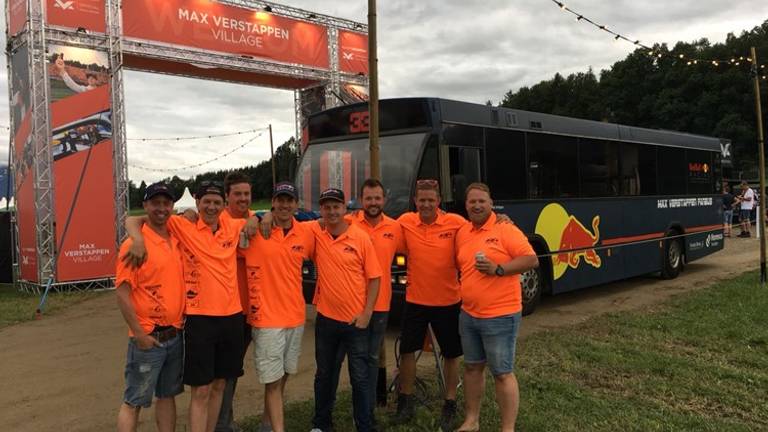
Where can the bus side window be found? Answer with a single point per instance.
(464, 166)
(505, 171)
(552, 166)
(672, 170)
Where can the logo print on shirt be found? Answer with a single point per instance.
(349, 249)
(191, 294)
(492, 241)
(389, 236)
(297, 248)
(445, 235)
(227, 244)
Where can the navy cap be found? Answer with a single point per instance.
(210, 187)
(332, 194)
(156, 189)
(285, 188)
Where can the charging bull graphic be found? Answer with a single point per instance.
(563, 232)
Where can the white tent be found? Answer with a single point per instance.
(11, 203)
(185, 202)
(3, 202)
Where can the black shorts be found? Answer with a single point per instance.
(213, 348)
(445, 324)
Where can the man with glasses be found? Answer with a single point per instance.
(214, 322)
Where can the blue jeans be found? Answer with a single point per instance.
(490, 340)
(332, 337)
(156, 371)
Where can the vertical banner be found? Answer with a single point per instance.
(85, 14)
(81, 144)
(23, 158)
(353, 52)
(312, 100)
(17, 16)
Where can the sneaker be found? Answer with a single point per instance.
(448, 416)
(405, 408)
(745, 234)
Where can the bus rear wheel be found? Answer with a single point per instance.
(531, 285)
(673, 257)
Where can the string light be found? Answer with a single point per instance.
(199, 164)
(198, 137)
(656, 53)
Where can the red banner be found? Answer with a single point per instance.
(17, 16)
(353, 52)
(86, 14)
(84, 190)
(219, 27)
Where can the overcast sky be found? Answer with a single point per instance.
(469, 50)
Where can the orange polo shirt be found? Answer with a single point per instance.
(482, 295)
(210, 266)
(387, 239)
(344, 267)
(157, 287)
(274, 276)
(242, 280)
(432, 274)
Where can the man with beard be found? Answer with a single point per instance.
(214, 324)
(387, 238)
(491, 257)
(151, 300)
(277, 310)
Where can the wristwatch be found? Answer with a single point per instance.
(499, 270)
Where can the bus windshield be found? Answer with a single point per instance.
(345, 165)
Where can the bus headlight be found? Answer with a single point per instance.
(400, 260)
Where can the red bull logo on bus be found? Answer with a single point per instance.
(564, 232)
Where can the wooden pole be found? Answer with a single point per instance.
(373, 96)
(761, 153)
(272, 152)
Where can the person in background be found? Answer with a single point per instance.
(747, 202)
(491, 257)
(728, 203)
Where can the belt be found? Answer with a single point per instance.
(164, 334)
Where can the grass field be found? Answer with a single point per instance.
(16, 307)
(696, 363)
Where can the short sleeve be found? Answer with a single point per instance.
(124, 273)
(515, 242)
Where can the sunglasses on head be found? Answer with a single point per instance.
(426, 182)
(206, 183)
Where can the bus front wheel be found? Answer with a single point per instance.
(673, 257)
(531, 284)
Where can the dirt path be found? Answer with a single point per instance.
(64, 373)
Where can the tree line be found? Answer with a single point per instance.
(667, 93)
(286, 160)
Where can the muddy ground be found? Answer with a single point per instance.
(65, 372)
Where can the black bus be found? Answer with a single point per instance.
(599, 201)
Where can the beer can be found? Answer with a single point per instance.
(244, 240)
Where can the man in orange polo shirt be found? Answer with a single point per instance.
(431, 296)
(237, 187)
(151, 300)
(214, 325)
(277, 310)
(491, 257)
(348, 283)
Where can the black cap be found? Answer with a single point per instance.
(332, 194)
(210, 187)
(156, 189)
(285, 188)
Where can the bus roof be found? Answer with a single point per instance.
(451, 111)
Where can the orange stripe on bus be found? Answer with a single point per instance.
(631, 239)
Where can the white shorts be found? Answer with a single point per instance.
(276, 352)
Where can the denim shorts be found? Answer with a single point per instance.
(744, 215)
(156, 371)
(490, 340)
(727, 216)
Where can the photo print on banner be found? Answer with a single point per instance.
(83, 169)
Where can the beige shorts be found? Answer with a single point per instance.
(276, 352)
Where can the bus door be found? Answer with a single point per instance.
(460, 167)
